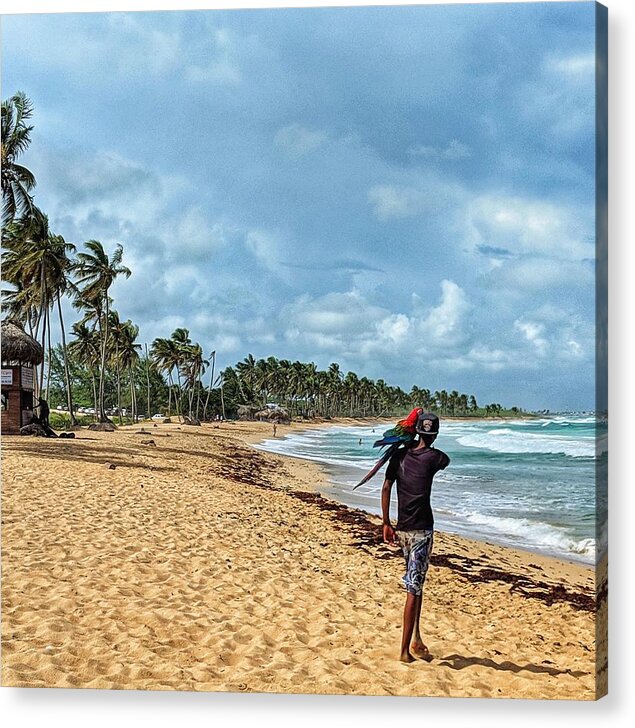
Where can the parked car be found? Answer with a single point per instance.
(158, 416)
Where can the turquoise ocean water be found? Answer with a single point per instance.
(528, 483)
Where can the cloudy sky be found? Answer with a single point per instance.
(408, 191)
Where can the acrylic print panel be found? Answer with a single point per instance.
(247, 254)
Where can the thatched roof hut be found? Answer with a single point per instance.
(18, 346)
(247, 411)
(274, 414)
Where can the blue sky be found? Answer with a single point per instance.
(408, 191)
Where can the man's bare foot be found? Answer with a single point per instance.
(421, 651)
(406, 657)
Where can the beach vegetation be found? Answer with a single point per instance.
(17, 181)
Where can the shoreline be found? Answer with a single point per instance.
(201, 563)
(322, 468)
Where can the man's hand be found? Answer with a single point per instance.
(388, 533)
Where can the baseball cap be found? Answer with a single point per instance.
(427, 424)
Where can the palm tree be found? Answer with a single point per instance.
(24, 264)
(193, 366)
(17, 181)
(166, 356)
(97, 272)
(39, 263)
(85, 349)
(61, 254)
(247, 376)
(182, 342)
(211, 384)
(117, 333)
(129, 354)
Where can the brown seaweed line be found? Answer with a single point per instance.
(255, 470)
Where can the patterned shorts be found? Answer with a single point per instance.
(416, 547)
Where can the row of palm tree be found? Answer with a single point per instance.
(305, 390)
(179, 355)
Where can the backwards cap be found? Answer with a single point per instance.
(427, 424)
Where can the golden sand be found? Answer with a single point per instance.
(198, 563)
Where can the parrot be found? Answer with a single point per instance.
(403, 433)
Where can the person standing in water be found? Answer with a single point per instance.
(413, 468)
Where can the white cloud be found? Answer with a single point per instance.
(556, 333)
(350, 324)
(392, 201)
(445, 322)
(455, 149)
(193, 235)
(532, 274)
(561, 101)
(530, 226)
(296, 141)
(582, 64)
(533, 333)
(219, 71)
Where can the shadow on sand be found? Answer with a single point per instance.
(459, 662)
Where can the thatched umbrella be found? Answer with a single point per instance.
(247, 411)
(273, 414)
(18, 346)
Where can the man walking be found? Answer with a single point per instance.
(413, 468)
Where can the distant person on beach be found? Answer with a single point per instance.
(275, 427)
(43, 417)
(413, 468)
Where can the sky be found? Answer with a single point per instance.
(408, 191)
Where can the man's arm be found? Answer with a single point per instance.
(387, 529)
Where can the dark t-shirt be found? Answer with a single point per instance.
(414, 470)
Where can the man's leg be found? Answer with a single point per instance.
(418, 646)
(409, 618)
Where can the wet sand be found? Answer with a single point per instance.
(199, 563)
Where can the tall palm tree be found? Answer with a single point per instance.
(39, 264)
(167, 357)
(129, 354)
(181, 338)
(247, 377)
(17, 181)
(85, 349)
(116, 329)
(96, 273)
(62, 255)
(193, 367)
(211, 384)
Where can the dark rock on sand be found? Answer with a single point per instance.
(102, 427)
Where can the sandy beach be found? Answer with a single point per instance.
(183, 559)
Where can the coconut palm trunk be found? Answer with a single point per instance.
(134, 396)
(211, 382)
(118, 365)
(67, 373)
(170, 382)
(102, 367)
(50, 357)
(148, 380)
(92, 375)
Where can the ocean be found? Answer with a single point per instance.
(527, 483)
